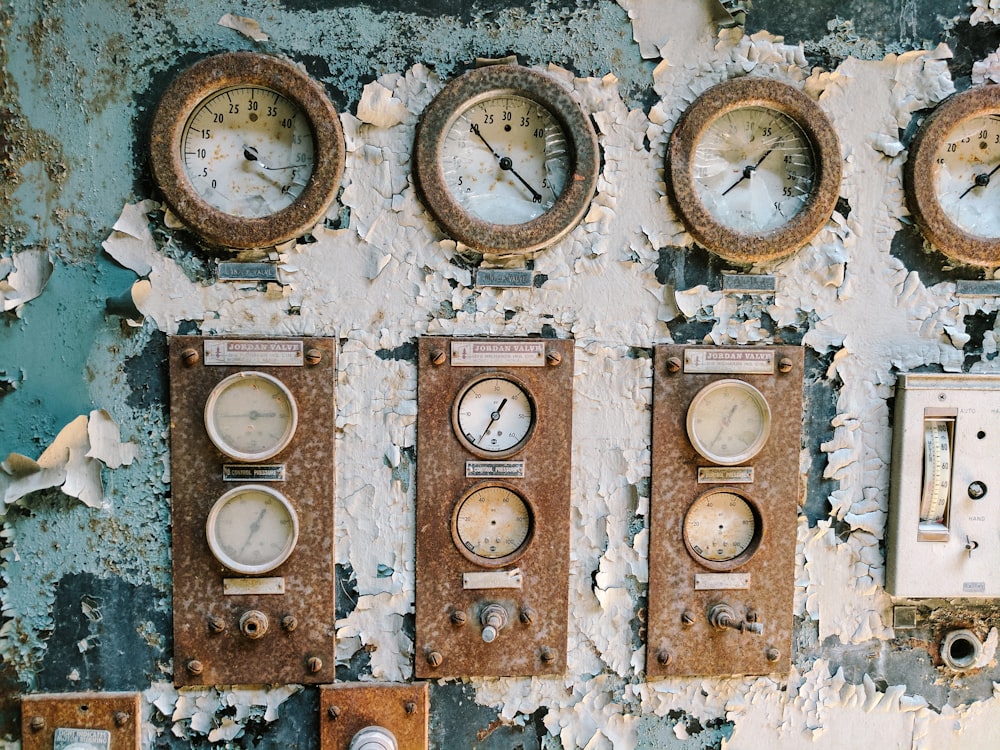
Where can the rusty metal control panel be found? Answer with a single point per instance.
(81, 721)
(494, 447)
(725, 493)
(943, 515)
(373, 716)
(252, 477)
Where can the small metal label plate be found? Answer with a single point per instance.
(488, 353)
(81, 739)
(724, 361)
(232, 271)
(257, 352)
(749, 283)
(494, 469)
(721, 581)
(725, 475)
(977, 288)
(258, 586)
(511, 277)
(253, 472)
(492, 579)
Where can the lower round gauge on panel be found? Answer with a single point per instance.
(728, 421)
(251, 416)
(252, 529)
(492, 525)
(494, 416)
(722, 529)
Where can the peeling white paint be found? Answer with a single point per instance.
(23, 277)
(248, 27)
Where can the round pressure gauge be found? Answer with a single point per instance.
(728, 421)
(951, 177)
(252, 529)
(494, 416)
(247, 150)
(754, 169)
(251, 416)
(505, 159)
(722, 529)
(492, 525)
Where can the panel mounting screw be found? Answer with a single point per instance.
(37, 723)
(121, 718)
(190, 357)
(434, 658)
(553, 358)
(315, 664)
(527, 615)
(313, 356)
(333, 713)
(195, 667)
(674, 364)
(548, 655)
(688, 617)
(772, 654)
(438, 357)
(410, 707)
(458, 617)
(289, 623)
(785, 364)
(664, 657)
(977, 490)
(216, 624)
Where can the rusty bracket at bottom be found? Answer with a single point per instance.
(110, 721)
(398, 708)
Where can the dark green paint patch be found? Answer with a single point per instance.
(908, 247)
(147, 375)
(403, 353)
(456, 721)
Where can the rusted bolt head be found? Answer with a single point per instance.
(528, 615)
(216, 624)
(772, 654)
(253, 624)
(674, 364)
(315, 664)
(751, 615)
(458, 617)
(785, 365)
(289, 623)
(195, 667)
(190, 357)
(553, 358)
(313, 356)
(434, 658)
(410, 707)
(548, 655)
(37, 723)
(688, 617)
(333, 713)
(121, 718)
(664, 657)
(438, 357)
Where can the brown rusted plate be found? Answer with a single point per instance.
(300, 654)
(673, 646)
(534, 640)
(347, 709)
(114, 713)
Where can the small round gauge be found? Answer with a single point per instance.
(247, 150)
(728, 421)
(951, 177)
(494, 416)
(252, 529)
(506, 160)
(722, 529)
(492, 525)
(251, 416)
(754, 169)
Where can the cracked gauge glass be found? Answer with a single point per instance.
(494, 416)
(251, 416)
(252, 529)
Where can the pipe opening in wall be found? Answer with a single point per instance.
(961, 649)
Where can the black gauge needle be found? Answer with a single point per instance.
(254, 528)
(507, 165)
(981, 180)
(748, 170)
(493, 418)
(250, 154)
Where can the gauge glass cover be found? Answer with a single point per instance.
(492, 525)
(721, 527)
(965, 177)
(728, 421)
(251, 416)
(494, 416)
(252, 529)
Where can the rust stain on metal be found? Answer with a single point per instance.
(209, 646)
(400, 708)
(532, 641)
(116, 713)
(681, 638)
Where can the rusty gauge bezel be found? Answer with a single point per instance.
(472, 89)
(921, 169)
(214, 532)
(213, 414)
(741, 557)
(681, 174)
(213, 76)
(502, 560)
(701, 410)
(456, 415)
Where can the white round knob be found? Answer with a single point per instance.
(374, 738)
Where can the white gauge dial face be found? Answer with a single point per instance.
(728, 421)
(492, 523)
(753, 169)
(494, 415)
(505, 159)
(252, 529)
(719, 526)
(251, 416)
(937, 471)
(967, 173)
(247, 151)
